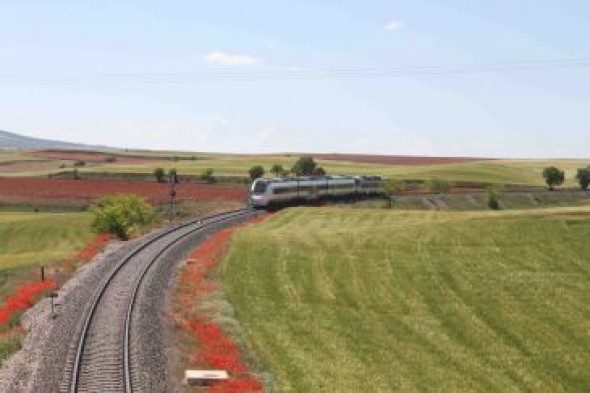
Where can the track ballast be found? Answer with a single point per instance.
(102, 357)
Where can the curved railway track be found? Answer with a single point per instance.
(102, 358)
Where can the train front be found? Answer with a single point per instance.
(258, 193)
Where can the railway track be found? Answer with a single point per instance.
(102, 358)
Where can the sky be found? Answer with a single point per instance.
(409, 77)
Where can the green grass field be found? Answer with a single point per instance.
(495, 172)
(33, 239)
(341, 300)
(515, 172)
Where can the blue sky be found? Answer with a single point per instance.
(266, 76)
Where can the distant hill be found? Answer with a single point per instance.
(13, 141)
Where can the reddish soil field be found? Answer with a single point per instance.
(67, 190)
(96, 157)
(397, 160)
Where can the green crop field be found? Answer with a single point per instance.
(500, 172)
(32, 239)
(7, 157)
(516, 172)
(341, 300)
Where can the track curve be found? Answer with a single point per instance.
(101, 359)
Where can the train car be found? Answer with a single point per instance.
(267, 192)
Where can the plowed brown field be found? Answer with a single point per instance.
(82, 191)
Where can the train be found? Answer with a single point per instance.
(267, 192)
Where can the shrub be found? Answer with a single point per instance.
(319, 171)
(173, 174)
(110, 159)
(207, 175)
(493, 202)
(160, 174)
(121, 215)
(79, 163)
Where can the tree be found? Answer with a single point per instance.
(121, 214)
(207, 175)
(277, 169)
(304, 166)
(257, 171)
(583, 177)
(160, 175)
(319, 171)
(553, 176)
(393, 187)
(173, 174)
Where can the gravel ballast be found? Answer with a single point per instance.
(40, 366)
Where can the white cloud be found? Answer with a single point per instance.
(231, 59)
(393, 26)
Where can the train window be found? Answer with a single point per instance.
(259, 188)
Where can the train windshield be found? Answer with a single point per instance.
(259, 187)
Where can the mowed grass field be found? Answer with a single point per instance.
(341, 300)
(29, 240)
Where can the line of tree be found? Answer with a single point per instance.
(304, 166)
(555, 177)
(160, 175)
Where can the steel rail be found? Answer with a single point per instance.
(204, 222)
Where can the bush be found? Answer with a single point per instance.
(110, 159)
(121, 215)
(493, 202)
(207, 175)
(79, 163)
(159, 173)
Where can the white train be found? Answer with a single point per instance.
(266, 192)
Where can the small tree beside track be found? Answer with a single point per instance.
(121, 215)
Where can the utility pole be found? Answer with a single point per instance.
(172, 180)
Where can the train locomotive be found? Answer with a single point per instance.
(266, 192)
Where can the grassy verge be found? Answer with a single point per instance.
(367, 300)
(479, 201)
(30, 240)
